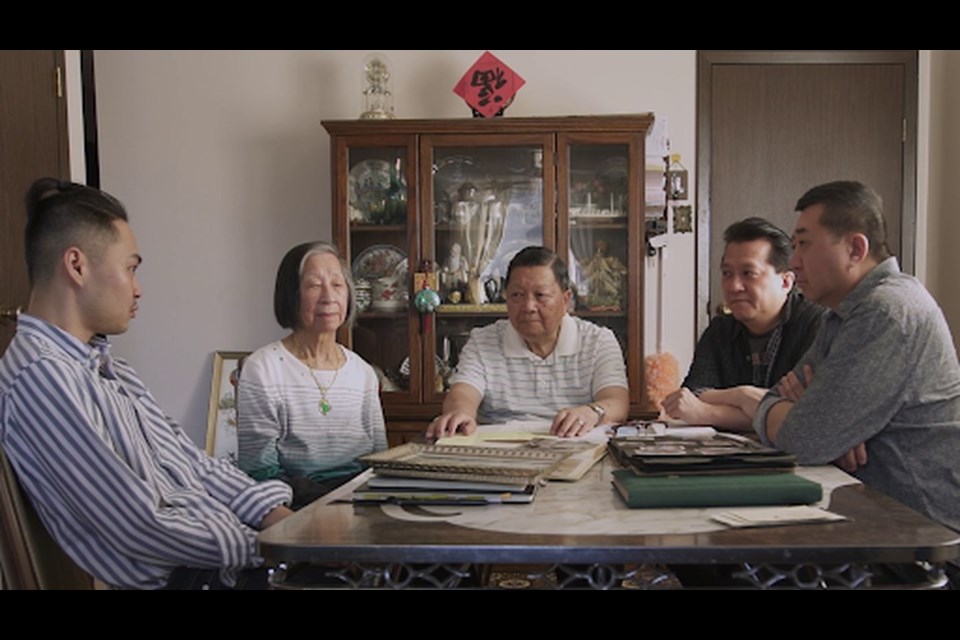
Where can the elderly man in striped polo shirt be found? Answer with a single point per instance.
(541, 363)
(119, 486)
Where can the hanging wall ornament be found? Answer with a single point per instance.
(427, 300)
(489, 86)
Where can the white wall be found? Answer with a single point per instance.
(223, 164)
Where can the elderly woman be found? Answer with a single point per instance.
(307, 406)
(541, 363)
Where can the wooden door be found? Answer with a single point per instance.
(773, 124)
(33, 144)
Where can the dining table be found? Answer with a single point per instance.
(582, 535)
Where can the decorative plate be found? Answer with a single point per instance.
(378, 261)
(451, 172)
(402, 270)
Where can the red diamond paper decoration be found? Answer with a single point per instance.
(488, 85)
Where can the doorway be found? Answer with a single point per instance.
(33, 144)
(772, 124)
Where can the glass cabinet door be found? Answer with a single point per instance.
(486, 199)
(381, 247)
(600, 232)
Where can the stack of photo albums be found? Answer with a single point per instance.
(722, 469)
(472, 475)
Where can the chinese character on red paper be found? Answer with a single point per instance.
(489, 85)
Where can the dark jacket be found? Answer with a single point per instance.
(723, 358)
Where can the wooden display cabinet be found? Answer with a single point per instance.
(463, 196)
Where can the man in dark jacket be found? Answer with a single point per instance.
(768, 328)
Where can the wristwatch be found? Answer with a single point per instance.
(599, 410)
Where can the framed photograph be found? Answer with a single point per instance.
(683, 219)
(222, 414)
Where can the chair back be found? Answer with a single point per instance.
(30, 558)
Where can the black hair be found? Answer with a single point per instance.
(63, 214)
(286, 291)
(541, 257)
(751, 229)
(850, 207)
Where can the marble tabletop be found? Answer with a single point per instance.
(586, 521)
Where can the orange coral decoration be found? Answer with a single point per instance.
(661, 376)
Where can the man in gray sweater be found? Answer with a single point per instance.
(879, 391)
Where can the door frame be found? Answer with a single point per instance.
(91, 143)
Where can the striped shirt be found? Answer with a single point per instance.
(280, 428)
(517, 384)
(117, 483)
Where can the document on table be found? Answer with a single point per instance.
(660, 428)
(516, 431)
(775, 516)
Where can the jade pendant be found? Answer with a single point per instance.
(324, 407)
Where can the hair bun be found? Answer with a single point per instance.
(43, 189)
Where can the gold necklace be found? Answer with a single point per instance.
(324, 405)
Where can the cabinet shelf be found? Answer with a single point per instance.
(382, 315)
(598, 223)
(366, 227)
(472, 310)
(587, 313)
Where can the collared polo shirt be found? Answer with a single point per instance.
(517, 384)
